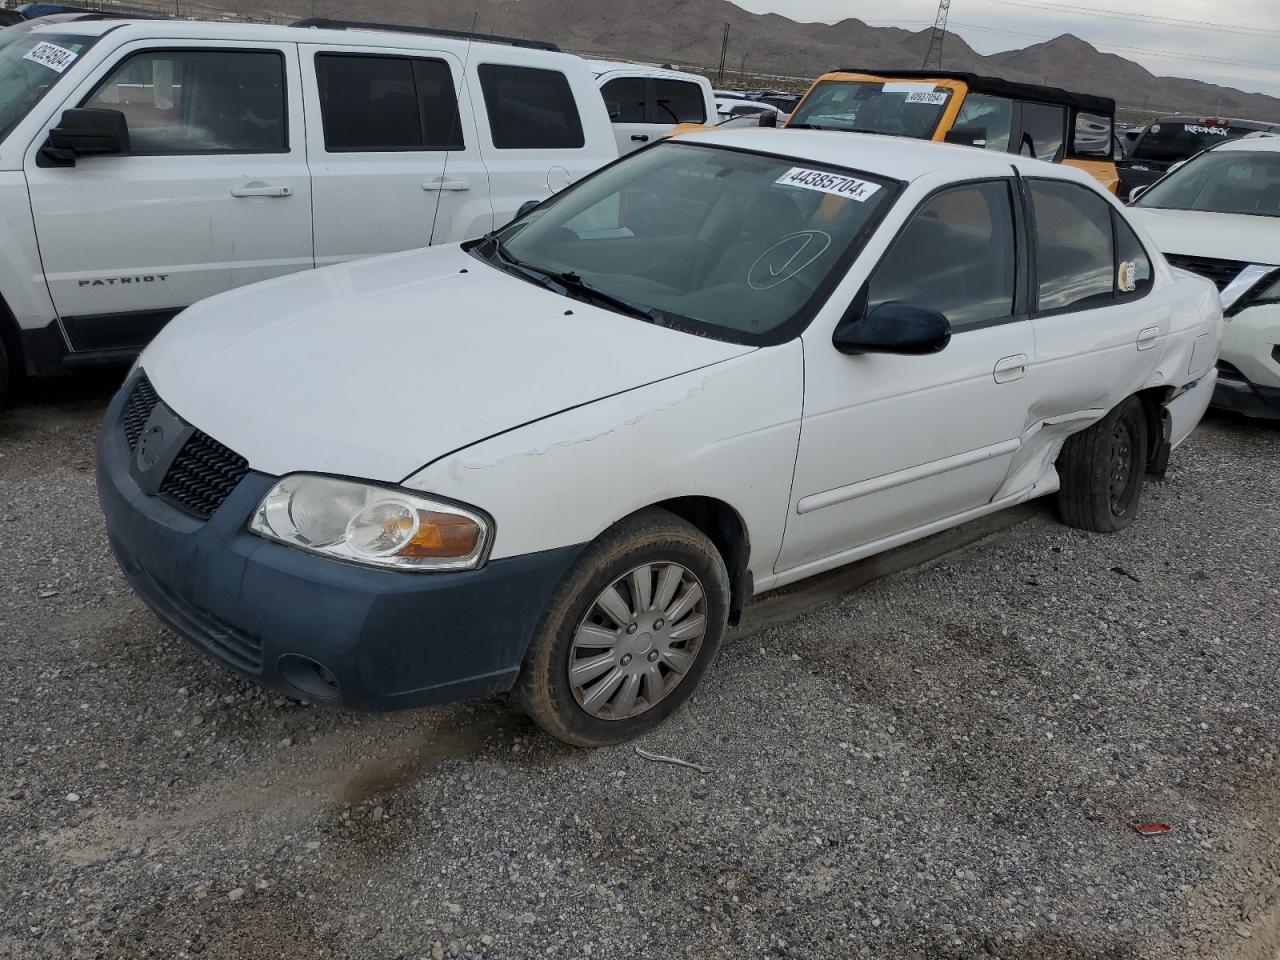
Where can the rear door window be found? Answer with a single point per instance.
(677, 101)
(1093, 135)
(199, 101)
(384, 103)
(625, 98)
(1043, 129)
(1075, 255)
(530, 108)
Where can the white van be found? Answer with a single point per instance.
(146, 165)
(645, 102)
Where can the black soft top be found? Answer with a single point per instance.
(1002, 88)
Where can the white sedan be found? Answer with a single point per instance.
(1219, 216)
(561, 458)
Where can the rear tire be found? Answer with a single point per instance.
(628, 633)
(1102, 470)
(6, 373)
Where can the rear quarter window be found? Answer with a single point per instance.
(530, 108)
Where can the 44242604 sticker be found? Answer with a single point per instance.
(51, 55)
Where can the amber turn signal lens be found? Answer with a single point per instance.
(442, 535)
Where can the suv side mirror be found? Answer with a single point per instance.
(967, 136)
(768, 118)
(894, 328)
(1136, 192)
(85, 132)
(614, 108)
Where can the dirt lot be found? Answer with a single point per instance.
(942, 763)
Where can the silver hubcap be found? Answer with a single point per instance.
(638, 640)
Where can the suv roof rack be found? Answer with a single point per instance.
(324, 23)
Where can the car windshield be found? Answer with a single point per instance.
(723, 243)
(897, 108)
(1222, 181)
(1168, 141)
(31, 63)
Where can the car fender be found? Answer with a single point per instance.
(729, 431)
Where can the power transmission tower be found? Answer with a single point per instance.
(933, 59)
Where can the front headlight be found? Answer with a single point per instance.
(376, 526)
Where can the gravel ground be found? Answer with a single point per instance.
(940, 764)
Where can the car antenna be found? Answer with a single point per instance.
(454, 123)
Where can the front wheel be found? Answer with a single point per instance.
(628, 633)
(1102, 470)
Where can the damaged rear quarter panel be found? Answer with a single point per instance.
(727, 431)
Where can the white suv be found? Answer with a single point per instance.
(147, 165)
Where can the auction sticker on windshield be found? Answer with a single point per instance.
(51, 55)
(929, 97)
(832, 183)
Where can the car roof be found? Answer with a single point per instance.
(600, 67)
(1229, 121)
(1250, 145)
(898, 158)
(220, 29)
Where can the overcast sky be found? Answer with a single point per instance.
(1232, 42)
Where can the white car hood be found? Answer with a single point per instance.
(374, 368)
(1223, 236)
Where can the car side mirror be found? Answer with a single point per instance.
(615, 110)
(1136, 192)
(768, 119)
(968, 136)
(893, 328)
(85, 132)
(526, 207)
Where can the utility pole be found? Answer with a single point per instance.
(724, 52)
(933, 59)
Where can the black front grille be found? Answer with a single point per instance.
(203, 475)
(1221, 272)
(142, 400)
(204, 472)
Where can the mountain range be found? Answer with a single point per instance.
(689, 32)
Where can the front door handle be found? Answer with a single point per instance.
(640, 137)
(1148, 337)
(1012, 368)
(261, 190)
(443, 184)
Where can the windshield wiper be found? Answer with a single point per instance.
(510, 262)
(569, 283)
(593, 293)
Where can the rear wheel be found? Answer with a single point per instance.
(628, 633)
(1102, 470)
(6, 374)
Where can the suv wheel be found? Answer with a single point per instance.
(628, 633)
(1102, 470)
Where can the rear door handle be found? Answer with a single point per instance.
(261, 190)
(442, 184)
(1012, 368)
(1148, 337)
(640, 137)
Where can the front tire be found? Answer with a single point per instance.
(628, 633)
(1102, 470)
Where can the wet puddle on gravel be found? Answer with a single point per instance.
(408, 767)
